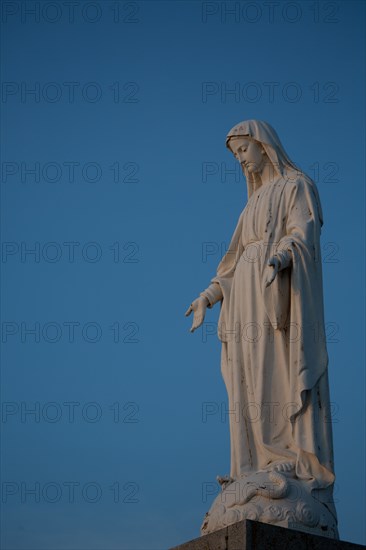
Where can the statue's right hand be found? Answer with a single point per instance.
(199, 310)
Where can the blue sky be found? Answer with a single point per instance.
(115, 174)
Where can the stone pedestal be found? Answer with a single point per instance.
(254, 535)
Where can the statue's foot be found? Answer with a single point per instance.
(224, 481)
(284, 467)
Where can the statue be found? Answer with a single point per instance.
(274, 358)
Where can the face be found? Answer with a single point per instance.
(249, 153)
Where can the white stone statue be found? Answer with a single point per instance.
(274, 358)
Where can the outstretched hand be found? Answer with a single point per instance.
(198, 307)
(272, 269)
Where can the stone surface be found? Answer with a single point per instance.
(273, 497)
(254, 535)
(274, 359)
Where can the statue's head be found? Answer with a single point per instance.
(249, 152)
(254, 143)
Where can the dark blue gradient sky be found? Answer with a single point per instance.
(115, 174)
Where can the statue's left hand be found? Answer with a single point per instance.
(198, 307)
(273, 267)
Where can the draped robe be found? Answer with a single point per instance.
(274, 359)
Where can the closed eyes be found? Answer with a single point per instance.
(239, 151)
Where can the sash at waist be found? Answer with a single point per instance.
(253, 250)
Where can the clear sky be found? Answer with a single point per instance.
(116, 176)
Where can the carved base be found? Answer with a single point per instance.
(273, 497)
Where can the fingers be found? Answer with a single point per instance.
(198, 311)
(271, 278)
(189, 311)
(197, 322)
(194, 327)
(273, 262)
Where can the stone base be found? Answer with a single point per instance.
(275, 496)
(254, 535)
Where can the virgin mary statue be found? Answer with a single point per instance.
(274, 358)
